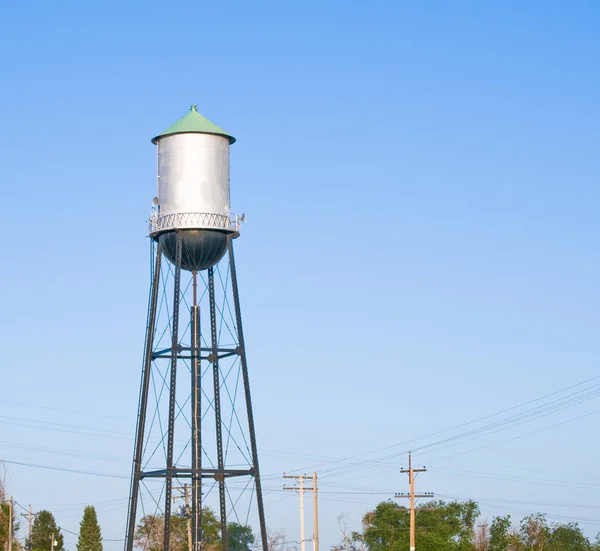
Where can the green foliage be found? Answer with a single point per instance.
(44, 526)
(440, 526)
(568, 537)
(500, 534)
(450, 526)
(211, 530)
(90, 537)
(149, 534)
(239, 537)
(387, 523)
(534, 532)
(4, 523)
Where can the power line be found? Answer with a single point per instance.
(524, 511)
(66, 430)
(76, 534)
(535, 413)
(62, 469)
(519, 419)
(545, 409)
(65, 452)
(519, 479)
(520, 435)
(50, 408)
(526, 502)
(483, 418)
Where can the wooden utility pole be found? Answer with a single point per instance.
(315, 514)
(481, 543)
(188, 514)
(412, 496)
(301, 489)
(29, 516)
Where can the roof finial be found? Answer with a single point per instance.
(193, 108)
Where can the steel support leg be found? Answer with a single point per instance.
(217, 404)
(240, 332)
(172, 395)
(196, 433)
(143, 402)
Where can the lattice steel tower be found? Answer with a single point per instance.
(195, 424)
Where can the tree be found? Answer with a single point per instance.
(90, 537)
(149, 533)
(239, 537)
(515, 541)
(276, 541)
(440, 526)
(499, 534)
(43, 529)
(4, 523)
(387, 527)
(358, 538)
(534, 532)
(211, 530)
(568, 537)
(466, 515)
(450, 526)
(348, 540)
(4, 511)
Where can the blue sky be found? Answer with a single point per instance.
(421, 185)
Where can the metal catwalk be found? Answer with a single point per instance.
(195, 427)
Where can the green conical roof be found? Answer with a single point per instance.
(193, 122)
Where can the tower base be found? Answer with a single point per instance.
(195, 427)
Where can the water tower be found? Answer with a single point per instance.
(195, 433)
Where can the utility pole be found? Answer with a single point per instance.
(11, 509)
(315, 514)
(481, 544)
(412, 496)
(186, 496)
(301, 489)
(29, 516)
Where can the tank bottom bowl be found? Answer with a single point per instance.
(200, 250)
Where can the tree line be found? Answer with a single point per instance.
(454, 526)
(46, 535)
(149, 534)
(440, 526)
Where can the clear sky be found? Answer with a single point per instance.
(420, 181)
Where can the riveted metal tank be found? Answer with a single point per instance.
(193, 191)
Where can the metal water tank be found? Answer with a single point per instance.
(193, 191)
